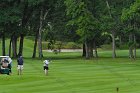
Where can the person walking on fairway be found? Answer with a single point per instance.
(20, 65)
(46, 66)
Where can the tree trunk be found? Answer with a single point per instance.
(96, 53)
(41, 19)
(10, 46)
(84, 51)
(3, 44)
(120, 40)
(14, 46)
(113, 32)
(131, 46)
(91, 48)
(135, 47)
(40, 36)
(21, 45)
(86, 48)
(113, 45)
(35, 45)
(95, 49)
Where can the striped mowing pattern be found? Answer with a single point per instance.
(75, 76)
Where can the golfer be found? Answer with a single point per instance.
(20, 65)
(46, 66)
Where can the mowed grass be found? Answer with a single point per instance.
(69, 73)
(76, 75)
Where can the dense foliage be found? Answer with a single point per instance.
(91, 22)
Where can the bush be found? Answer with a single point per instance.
(123, 46)
(44, 45)
(106, 47)
(60, 45)
(30, 37)
(72, 45)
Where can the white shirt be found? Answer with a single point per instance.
(10, 60)
(46, 62)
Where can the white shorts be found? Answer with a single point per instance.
(20, 67)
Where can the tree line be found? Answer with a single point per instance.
(90, 22)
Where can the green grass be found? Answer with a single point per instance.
(69, 73)
(75, 76)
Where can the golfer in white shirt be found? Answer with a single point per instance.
(45, 66)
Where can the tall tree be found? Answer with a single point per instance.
(40, 13)
(8, 16)
(84, 20)
(130, 17)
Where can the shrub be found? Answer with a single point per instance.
(60, 45)
(106, 47)
(123, 46)
(44, 45)
(72, 45)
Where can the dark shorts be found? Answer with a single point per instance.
(45, 67)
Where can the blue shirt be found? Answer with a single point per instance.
(20, 61)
